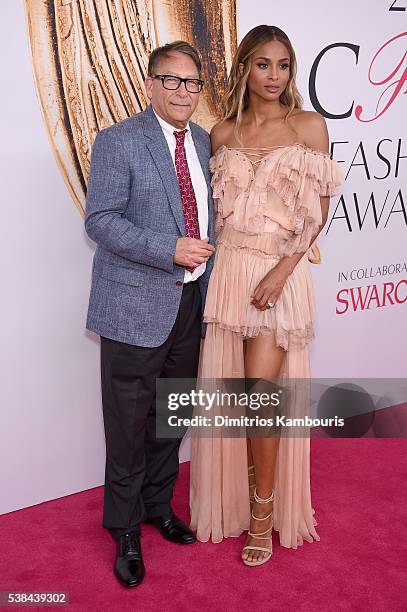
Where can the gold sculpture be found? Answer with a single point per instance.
(90, 60)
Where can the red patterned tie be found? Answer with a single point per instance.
(189, 205)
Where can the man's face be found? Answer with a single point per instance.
(174, 106)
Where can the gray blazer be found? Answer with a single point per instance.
(134, 214)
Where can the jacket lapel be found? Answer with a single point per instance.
(201, 149)
(202, 154)
(157, 145)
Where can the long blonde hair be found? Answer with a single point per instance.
(236, 98)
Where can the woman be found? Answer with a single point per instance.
(272, 178)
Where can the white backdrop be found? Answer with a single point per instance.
(368, 343)
(51, 435)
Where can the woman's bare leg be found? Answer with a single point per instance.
(263, 360)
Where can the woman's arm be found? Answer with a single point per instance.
(311, 129)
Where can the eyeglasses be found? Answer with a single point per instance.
(173, 82)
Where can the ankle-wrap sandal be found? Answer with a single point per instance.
(252, 482)
(264, 535)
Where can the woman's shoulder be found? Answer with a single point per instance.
(305, 117)
(222, 133)
(311, 129)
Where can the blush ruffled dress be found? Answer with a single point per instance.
(267, 207)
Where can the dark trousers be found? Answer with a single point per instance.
(140, 469)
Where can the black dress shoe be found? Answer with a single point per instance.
(173, 529)
(129, 567)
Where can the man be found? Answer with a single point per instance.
(149, 210)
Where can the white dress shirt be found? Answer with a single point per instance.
(198, 183)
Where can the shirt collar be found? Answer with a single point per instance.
(168, 128)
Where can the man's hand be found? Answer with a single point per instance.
(190, 252)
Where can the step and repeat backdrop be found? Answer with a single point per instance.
(78, 66)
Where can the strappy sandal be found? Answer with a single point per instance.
(252, 482)
(262, 535)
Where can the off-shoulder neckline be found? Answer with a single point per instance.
(298, 145)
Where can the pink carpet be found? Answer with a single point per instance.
(360, 497)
